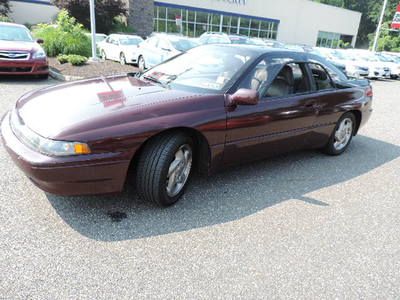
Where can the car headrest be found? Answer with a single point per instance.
(287, 74)
(319, 74)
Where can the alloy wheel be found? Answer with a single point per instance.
(343, 134)
(179, 170)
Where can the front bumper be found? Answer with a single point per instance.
(73, 175)
(24, 67)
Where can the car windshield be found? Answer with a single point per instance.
(182, 44)
(100, 38)
(207, 68)
(14, 33)
(130, 41)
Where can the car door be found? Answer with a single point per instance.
(107, 46)
(150, 52)
(280, 122)
(329, 101)
(115, 48)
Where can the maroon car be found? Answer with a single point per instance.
(20, 54)
(209, 108)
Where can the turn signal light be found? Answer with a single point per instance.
(369, 92)
(81, 149)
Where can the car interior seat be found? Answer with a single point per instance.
(283, 84)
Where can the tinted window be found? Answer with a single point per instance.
(321, 77)
(292, 79)
(257, 77)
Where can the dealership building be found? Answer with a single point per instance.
(290, 21)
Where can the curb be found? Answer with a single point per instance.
(58, 76)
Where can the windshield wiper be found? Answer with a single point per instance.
(153, 79)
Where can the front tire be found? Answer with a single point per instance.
(122, 59)
(164, 168)
(342, 135)
(141, 63)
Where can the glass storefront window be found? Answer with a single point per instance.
(195, 23)
(330, 39)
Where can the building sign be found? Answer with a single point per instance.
(396, 19)
(237, 2)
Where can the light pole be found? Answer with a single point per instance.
(378, 30)
(93, 30)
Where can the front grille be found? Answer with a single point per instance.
(386, 69)
(14, 55)
(15, 69)
(364, 69)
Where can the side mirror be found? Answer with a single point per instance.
(244, 97)
(39, 41)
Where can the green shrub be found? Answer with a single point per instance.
(66, 36)
(62, 58)
(77, 60)
(5, 19)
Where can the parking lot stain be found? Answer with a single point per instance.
(116, 216)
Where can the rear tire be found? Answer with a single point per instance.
(164, 168)
(342, 135)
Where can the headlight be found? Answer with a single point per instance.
(39, 54)
(43, 145)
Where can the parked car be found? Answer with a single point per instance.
(377, 68)
(184, 114)
(393, 62)
(99, 37)
(274, 44)
(20, 54)
(120, 47)
(355, 67)
(160, 47)
(214, 38)
(239, 39)
(328, 55)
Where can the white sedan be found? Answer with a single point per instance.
(160, 47)
(120, 47)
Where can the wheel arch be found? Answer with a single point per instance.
(202, 150)
(357, 114)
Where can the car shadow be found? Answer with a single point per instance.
(224, 197)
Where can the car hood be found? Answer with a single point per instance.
(18, 46)
(64, 111)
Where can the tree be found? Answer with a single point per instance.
(106, 11)
(4, 8)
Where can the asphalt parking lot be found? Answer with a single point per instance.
(303, 225)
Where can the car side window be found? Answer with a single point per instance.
(291, 80)
(321, 77)
(256, 78)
